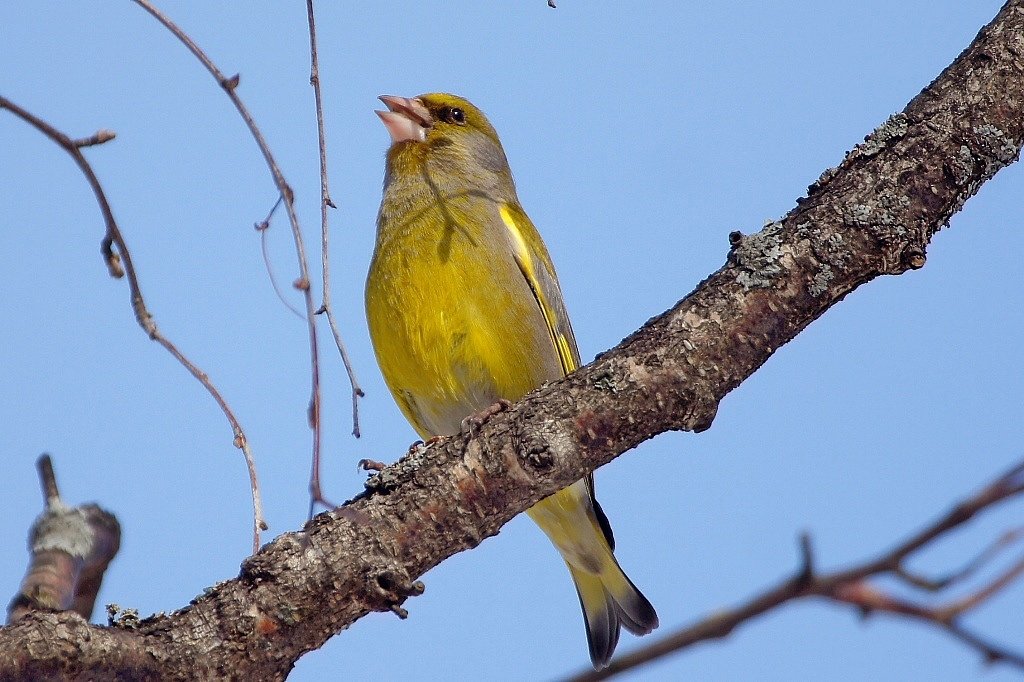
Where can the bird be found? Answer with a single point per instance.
(465, 313)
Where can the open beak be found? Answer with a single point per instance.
(406, 118)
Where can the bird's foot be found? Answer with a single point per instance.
(474, 421)
(420, 445)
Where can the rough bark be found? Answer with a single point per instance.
(872, 215)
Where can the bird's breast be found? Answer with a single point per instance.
(454, 324)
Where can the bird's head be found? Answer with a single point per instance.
(444, 127)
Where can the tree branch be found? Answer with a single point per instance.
(71, 548)
(119, 263)
(230, 87)
(873, 215)
(325, 203)
(852, 587)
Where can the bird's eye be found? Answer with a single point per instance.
(453, 115)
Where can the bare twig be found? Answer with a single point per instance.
(935, 584)
(852, 587)
(230, 87)
(119, 263)
(325, 203)
(99, 137)
(971, 601)
(869, 599)
(262, 228)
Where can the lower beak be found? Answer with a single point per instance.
(406, 118)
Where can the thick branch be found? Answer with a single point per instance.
(873, 215)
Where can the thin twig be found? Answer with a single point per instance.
(262, 227)
(230, 87)
(99, 137)
(325, 203)
(992, 653)
(851, 586)
(935, 584)
(119, 263)
(971, 601)
(870, 600)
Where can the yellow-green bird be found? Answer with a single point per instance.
(465, 310)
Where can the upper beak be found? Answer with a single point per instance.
(406, 119)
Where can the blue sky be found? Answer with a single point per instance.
(640, 135)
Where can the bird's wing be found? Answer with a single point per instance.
(534, 262)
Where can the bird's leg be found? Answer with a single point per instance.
(374, 465)
(475, 420)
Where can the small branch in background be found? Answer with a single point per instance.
(119, 263)
(262, 228)
(229, 84)
(71, 548)
(99, 137)
(1007, 539)
(325, 203)
(853, 587)
(869, 599)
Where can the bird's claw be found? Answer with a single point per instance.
(370, 465)
(419, 445)
(474, 421)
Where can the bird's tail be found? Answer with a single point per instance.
(578, 527)
(610, 600)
